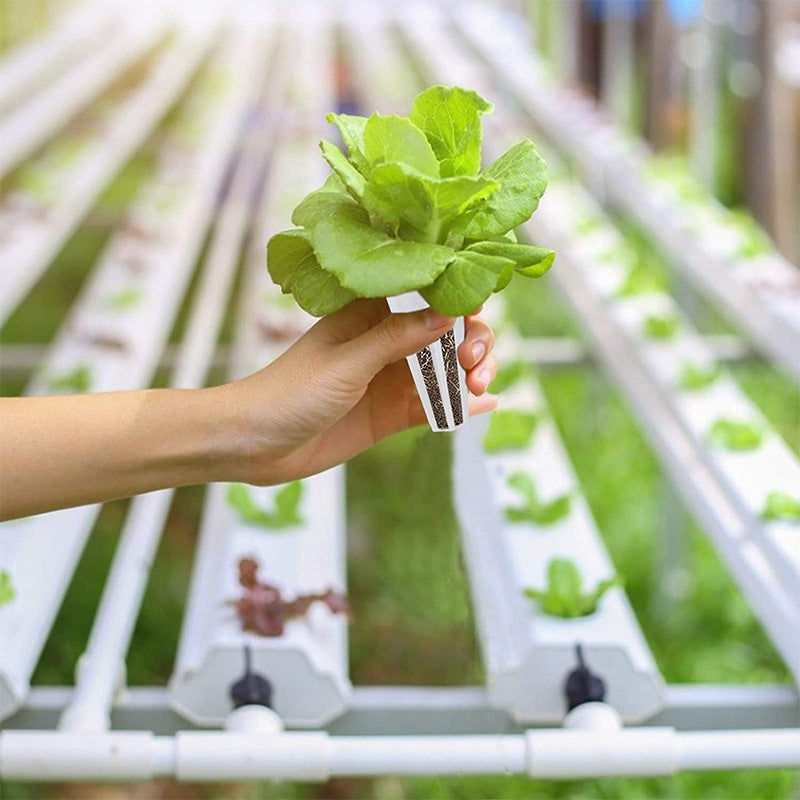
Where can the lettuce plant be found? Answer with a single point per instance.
(534, 509)
(409, 208)
(76, 380)
(661, 326)
(641, 279)
(510, 430)
(564, 595)
(507, 375)
(284, 514)
(734, 434)
(693, 377)
(124, 298)
(7, 591)
(781, 506)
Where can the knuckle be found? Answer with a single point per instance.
(392, 331)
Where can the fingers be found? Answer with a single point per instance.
(395, 336)
(479, 378)
(478, 343)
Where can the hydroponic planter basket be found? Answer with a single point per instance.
(440, 380)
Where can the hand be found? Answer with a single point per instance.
(342, 387)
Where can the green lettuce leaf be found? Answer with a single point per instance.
(661, 326)
(466, 283)
(351, 128)
(533, 509)
(528, 260)
(371, 263)
(734, 434)
(450, 118)
(284, 514)
(510, 430)
(564, 595)
(522, 175)
(294, 267)
(326, 202)
(352, 179)
(694, 377)
(781, 506)
(393, 138)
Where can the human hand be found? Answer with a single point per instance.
(342, 387)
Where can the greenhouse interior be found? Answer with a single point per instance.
(308, 492)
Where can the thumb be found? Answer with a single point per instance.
(394, 337)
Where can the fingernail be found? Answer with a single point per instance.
(478, 351)
(434, 320)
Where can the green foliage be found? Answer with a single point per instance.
(734, 434)
(564, 595)
(507, 375)
(781, 506)
(641, 279)
(510, 430)
(125, 298)
(7, 591)
(76, 380)
(694, 377)
(284, 514)
(409, 209)
(661, 326)
(534, 509)
(755, 241)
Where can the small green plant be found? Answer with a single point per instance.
(564, 595)
(734, 434)
(508, 375)
(588, 224)
(755, 241)
(694, 377)
(534, 509)
(284, 514)
(7, 591)
(410, 208)
(124, 298)
(510, 430)
(781, 506)
(641, 279)
(76, 380)
(661, 326)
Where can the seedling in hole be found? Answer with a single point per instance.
(564, 595)
(694, 377)
(284, 514)
(781, 506)
(7, 591)
(510, 430)
(736, 435)
(409, 208)
(534, 509)
(640, 280)
(661, 326)
(124, 298)
(262, 609)
(76, 380)
(507, 375)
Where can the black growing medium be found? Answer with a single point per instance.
(425, 360)
(451, 370)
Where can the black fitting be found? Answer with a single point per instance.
(251, 689)
(582, 685)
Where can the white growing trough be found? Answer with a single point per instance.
(230, 166)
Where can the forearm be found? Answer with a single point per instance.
(78, 449)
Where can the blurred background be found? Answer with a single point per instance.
(710, 89)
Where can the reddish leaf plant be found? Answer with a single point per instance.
(261, 608)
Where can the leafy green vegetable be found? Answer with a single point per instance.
(780, 505)
(661, 326)
(736, 435)
(7, 591)
(641, 279)
(755, 241)
(408, 208)
(694, 377)
(533, 509)
(285, 513)
(510, 430)
(507, 375)
(76, 380)
(564, 595)
(125, 298)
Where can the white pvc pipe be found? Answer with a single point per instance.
(317, 756)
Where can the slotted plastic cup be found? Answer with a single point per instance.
(440, 380)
